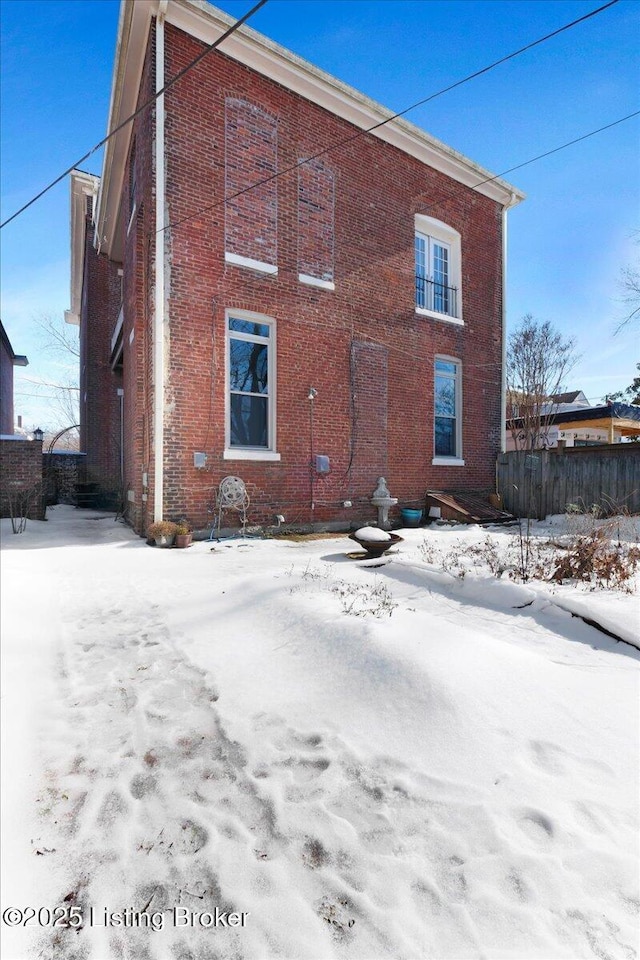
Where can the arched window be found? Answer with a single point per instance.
(438, 269)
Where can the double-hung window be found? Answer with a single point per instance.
(447, 412)
(250, 386)
(437, 269)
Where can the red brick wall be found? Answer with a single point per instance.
(99, 403)
(361, 346)
(316, 215)
(20, 471)
(138, 287)
(251, 153)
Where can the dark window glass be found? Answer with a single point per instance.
(445, 437)
(445, 397)
(248, 421)
(248, 367)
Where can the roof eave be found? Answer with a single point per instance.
(131, 44)
(83, 185)
(200, 19)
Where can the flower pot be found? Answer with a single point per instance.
(164, 541)
(411, 518)
(183, 540)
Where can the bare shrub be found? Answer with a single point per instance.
(23, 502)
(356, 601)
(595, 558)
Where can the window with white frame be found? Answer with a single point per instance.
(447, 410)
(437, 269)
(250, 384)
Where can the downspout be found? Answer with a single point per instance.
(503, 397)
(159, 305)
(121, 399)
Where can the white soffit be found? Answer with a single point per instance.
(131, 47)
(205, 22)
(83, 185)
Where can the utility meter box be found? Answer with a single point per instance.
(322, 464)
(200, 460)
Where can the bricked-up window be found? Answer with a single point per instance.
(316, 210)
(447, 410)
(437, 269)
(251, 155)
(251, 383)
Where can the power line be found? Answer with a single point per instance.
(395, 116)
(149, 102)
(569, 143)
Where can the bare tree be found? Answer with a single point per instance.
(630, 394)
(61, 341)
(538, 360)
(61, 337)
(630, 285)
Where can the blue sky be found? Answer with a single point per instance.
(567, 241)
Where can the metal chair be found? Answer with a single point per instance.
(231, 495)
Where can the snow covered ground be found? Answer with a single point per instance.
(346, 760)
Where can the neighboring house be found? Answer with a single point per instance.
(572, 400)
(8, 360)
(347, 313)
(574, 424)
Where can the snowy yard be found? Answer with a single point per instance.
(345, 761)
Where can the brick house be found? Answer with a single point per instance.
(20, 456)
(8, 360)
(349, 307)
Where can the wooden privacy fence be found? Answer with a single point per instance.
(539, 482)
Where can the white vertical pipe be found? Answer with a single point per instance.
(159, 311)
(503, 395)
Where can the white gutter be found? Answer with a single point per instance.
(503, 395)
(159, 310)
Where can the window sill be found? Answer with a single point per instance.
(434, 315)
(257, 265)
(240, 453)
(316, 282)
(447, 462)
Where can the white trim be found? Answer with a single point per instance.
(503, 379)
(315, 282)
(447, 462)
(431, 229)
(159, 311)
(251, 453)
(118, 329)
(258, 265)
(131, 219)
(434, 315)
(83, 185)
(201, 20)
(439, 460)
(247, 46)
(246, 453)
